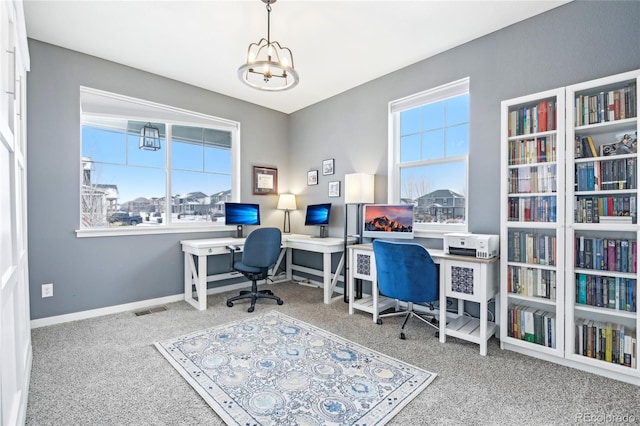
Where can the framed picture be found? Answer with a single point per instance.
(265, 180)
(334, 189)
(312, 177)
(327, 167)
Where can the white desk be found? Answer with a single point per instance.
(203, 248)
(479, 283)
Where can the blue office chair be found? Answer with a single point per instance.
(260, 253)
(407, 272)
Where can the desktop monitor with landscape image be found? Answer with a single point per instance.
(318, 214)
(240, 214)
(392, 221)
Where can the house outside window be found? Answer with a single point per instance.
(183, 183)
(428, 157)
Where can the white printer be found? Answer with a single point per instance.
(477, 245)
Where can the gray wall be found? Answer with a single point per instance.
(573, 43)
(90, 273)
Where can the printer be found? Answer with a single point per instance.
(476, 245)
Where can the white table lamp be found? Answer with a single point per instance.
(287, 202)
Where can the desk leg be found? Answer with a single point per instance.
(201, 283)
(443, 302)
(289, 263)
(483, 327)
(326, 273)
(376, 296)
(188, 281)
(349, 282)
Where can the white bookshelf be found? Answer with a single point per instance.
(596, 204)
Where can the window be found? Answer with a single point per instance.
(183, 182)
(428, 156)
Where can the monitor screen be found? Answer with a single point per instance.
(318, 214)
(241, 214)
(388, 221)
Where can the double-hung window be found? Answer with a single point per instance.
(150, 168)
(428, 156)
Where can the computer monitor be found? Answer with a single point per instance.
(388, 221)
(318, 214)
(241, 214)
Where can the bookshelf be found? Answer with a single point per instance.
(602, 226)
(532, 230)
(569, 229)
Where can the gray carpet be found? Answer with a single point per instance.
(106, 371)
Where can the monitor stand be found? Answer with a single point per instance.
(324, 232)
(238, 231)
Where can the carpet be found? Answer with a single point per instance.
(273, 369)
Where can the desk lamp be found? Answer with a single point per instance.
(358, 190)
(287, 202)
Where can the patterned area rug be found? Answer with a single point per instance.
(274, 369)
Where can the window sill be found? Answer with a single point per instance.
(439, 232)
(135, 230)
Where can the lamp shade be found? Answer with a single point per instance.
(358, 188)
(287, 202)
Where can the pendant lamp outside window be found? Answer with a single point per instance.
(150, 138)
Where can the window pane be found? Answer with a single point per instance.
(106, 145)
(217, 160)
(110, 190)
(410, 121)
(437, 191)
(433, 144)
(410, 148)
(197, 195)
(457, 140)
(457, 110)
(433, 116)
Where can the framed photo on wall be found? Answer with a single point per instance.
(265, 180)
(312, 177)
(334, 189)
(327, 167)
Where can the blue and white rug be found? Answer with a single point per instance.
(273, 369)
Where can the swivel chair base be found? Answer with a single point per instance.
(254, 294)
(409, 313)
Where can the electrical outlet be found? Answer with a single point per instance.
(47, 290)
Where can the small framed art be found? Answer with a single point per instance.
(312, 177)
(265, 180)
(334, 189)
(327, 167)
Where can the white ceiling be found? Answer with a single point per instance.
(337, 45)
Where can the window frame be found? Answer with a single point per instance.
(99, 103)
(396, 107)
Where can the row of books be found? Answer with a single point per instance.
(529, 151)
(533, 179)
(532, 325)
(606, 254)
(617, 293)
(534, 248)
(533, 118)
(606, 175)
(532, 209)
(531, 282)
(608, 342)
(620, 209)
(606, 106)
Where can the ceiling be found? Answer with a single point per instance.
(337, 45)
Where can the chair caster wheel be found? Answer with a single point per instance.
(280, 302)
(251, 308)
(402, 336)
(230, 304)
(379, 321)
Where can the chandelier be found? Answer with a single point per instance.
(269, 66)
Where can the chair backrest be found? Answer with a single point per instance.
(406, 271)
(262, 247)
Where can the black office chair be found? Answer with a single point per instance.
(260, 253)
(407, 272)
